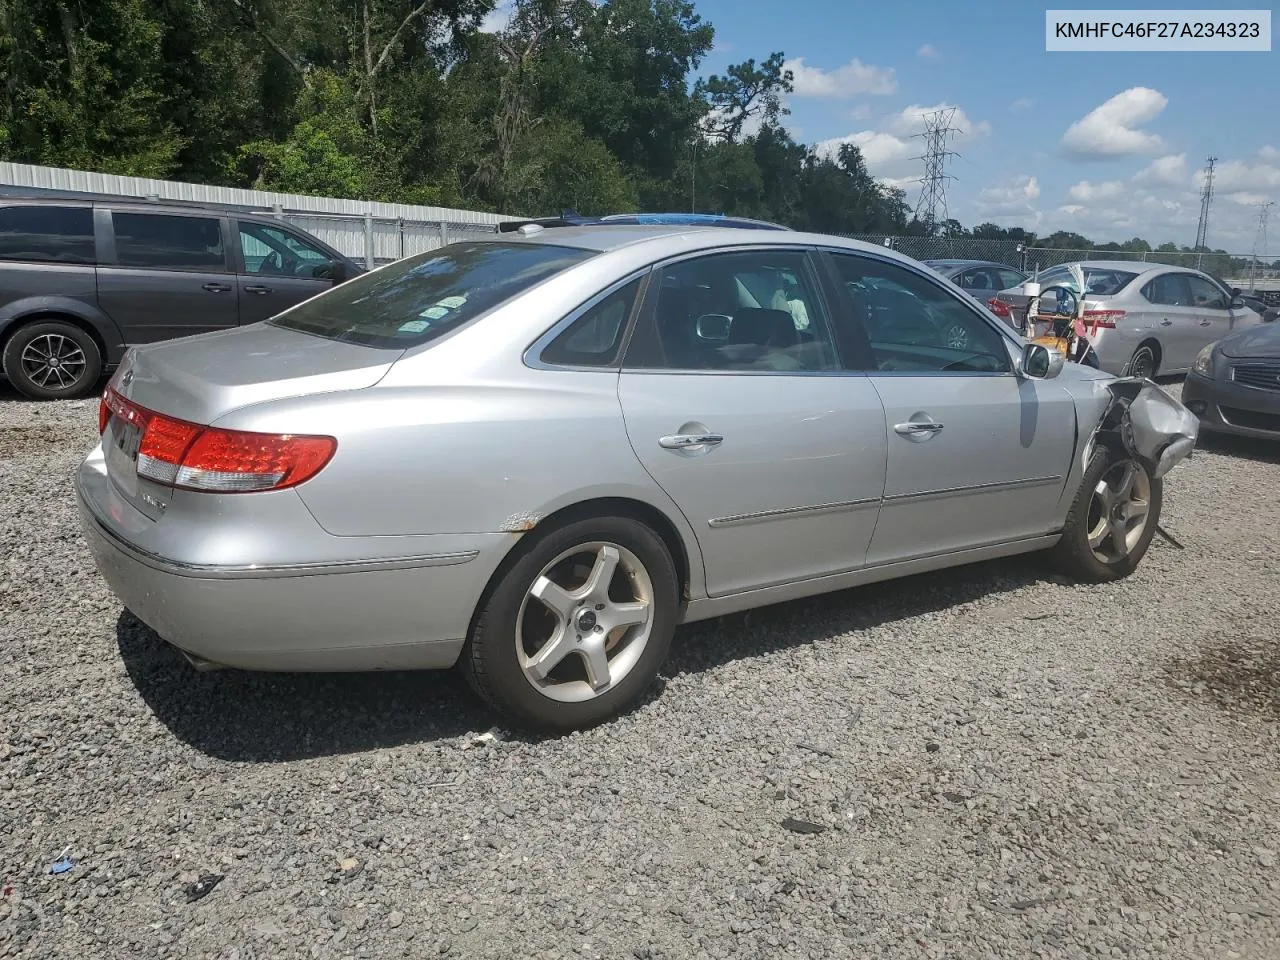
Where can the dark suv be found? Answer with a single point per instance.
(81, 280)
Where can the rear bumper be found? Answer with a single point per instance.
(1226, 407)
(388, 614)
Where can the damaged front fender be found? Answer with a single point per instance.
(1149, 424)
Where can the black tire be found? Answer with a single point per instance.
(492, 664)
(1145, 358)
(1073, 555)
(72, 363)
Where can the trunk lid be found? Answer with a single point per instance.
(198, 379)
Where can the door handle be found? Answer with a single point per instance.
(217, 287)
(255, 288)
(915, 429)
(1166, 322)
(682, 441)
(1205, 323)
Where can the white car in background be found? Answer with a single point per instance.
(1142, 319)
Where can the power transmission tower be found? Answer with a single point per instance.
(1260, 239)
(1206, 201)
(933, 185)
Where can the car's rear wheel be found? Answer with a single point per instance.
(577, 627)
(52, 360)
(1111, 521)
(1144, 362)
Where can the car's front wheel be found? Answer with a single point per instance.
(575, 630)
(1111, 521)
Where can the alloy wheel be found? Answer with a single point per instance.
(53, 361)
(584, 623)
(958, 337)
(1119, 511)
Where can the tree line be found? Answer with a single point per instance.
(595, 106)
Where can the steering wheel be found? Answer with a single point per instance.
(272, 263)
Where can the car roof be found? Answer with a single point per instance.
(135, 204)
(1128, 266)
(603, 237)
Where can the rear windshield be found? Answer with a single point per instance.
(425, 296)
(1099, 281)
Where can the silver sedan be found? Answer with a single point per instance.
(535, 455)
(1142, 319)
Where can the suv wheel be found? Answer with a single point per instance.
(52, 360)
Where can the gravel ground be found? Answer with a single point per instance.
(1005, 765)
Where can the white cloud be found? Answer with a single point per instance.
(1086, 192)
(882, 151)
(851, 80)
(1168, 171)
(1237, 175)
(1111, 130)
(1011, 201)
(1022, 103)
(1269, 153)
(862, 111)
(928, 50)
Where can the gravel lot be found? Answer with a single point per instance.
(1005, 765)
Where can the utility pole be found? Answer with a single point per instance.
(931, 208)
(1206, 201)
(1260, 240)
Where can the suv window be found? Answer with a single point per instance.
(50, 234)
(594, 339)
(756, 310)
(1205, 294)
(980, 279)
(272, 251)
(423, 297)
(1169, 290)
(169, 242)
(915, 324)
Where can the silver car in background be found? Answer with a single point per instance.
(1142, 319)
(535, 455)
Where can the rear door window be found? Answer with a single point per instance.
(1169, 290)
(423, 297)
(167, 242)
(47, 234)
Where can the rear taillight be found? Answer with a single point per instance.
(999, 308)
(1102, 319)
(188, 456)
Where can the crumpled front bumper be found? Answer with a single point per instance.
(1153, 426)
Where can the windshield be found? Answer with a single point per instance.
(1098, 281)
(423, 297)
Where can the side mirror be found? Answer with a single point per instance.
(1237, 303)
(334, 270)
(1041, 363)
(1236, 291)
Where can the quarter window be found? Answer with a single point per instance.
(751, 311)
(594, 339)
(168, 242)
(914, 324)
(49, 234)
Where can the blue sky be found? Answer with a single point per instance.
(1111, 145)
